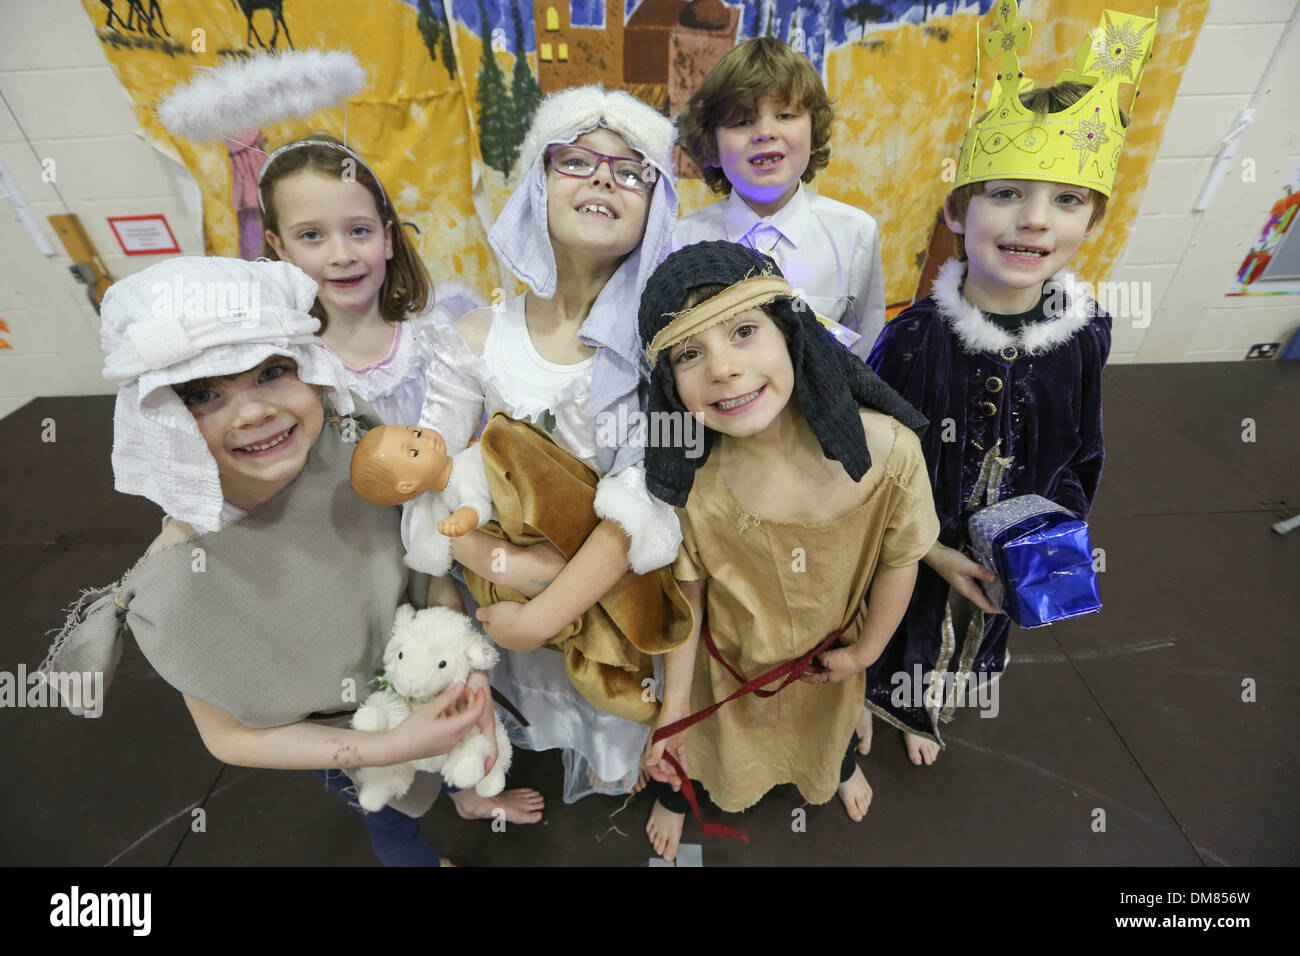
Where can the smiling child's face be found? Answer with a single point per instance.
(735, 377)
(1018, 234)
(259, 426)
(592, 216)
(332, 230)
(764, 155)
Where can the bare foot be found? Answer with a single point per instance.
(920, 749)
(665, 830)
(864, 732)
(443, 861)
(521, 806)
(856, 794)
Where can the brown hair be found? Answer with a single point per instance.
(406, 289)
(759, 67)
(1049, 99)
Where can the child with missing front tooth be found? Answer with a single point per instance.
(811, 491)
(1007, 353)
(759, 127)
(590, 219)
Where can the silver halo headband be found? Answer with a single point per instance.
(318, 142)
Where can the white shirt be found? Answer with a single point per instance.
(512, 376)
(828, 249)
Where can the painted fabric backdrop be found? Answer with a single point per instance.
(453, 85)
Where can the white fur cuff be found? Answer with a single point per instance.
(650, 524)
(427, 549)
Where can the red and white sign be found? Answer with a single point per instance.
(143, 235)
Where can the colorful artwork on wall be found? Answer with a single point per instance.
(1264, 271)
(453, 84)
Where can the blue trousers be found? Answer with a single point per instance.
(396, 838)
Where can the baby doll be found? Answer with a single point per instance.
(449, 494)
(607, 651)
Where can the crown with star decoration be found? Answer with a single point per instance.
(1079, 145)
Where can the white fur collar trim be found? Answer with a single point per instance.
(977, 334)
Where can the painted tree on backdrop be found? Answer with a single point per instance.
(437, 35)
(498, 135)
(523, 85)
(865, 12)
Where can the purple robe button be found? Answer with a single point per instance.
(993, 384)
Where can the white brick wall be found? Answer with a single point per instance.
(1191, 258)
(68, 104)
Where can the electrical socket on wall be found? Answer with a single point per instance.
(1263, 350)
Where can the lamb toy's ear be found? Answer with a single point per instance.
(481, 653)
(404, 616)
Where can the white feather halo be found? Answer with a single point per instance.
(266, 88)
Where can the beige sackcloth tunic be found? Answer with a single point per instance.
(775, 591)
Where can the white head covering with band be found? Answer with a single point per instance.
(190, 318)
(520, 236)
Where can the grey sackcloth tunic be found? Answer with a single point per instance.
(288, 616)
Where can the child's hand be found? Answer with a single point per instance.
(963, 575)
(653, 758)
(513, 627)
(437, 726)
(478, 681)
(831, 667)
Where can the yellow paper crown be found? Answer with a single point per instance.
(1080, 145)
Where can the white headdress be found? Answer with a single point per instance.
(189, 318)
(520, 236)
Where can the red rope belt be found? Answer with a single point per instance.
(791, 670)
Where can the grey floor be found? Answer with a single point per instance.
(1133, 718)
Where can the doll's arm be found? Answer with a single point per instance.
(468, 492)
(597, 566)
(679, 676)
(431, 730)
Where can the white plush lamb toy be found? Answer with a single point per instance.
(429, 651)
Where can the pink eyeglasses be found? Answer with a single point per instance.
(581, 163)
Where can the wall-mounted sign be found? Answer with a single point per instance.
(144, 235)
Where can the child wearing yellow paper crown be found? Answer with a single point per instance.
(1007, 350)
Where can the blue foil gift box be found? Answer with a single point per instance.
(1042, 556)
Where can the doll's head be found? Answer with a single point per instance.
(728, 340)
(610, 199)
(394, 463)
(325, 211)
(220, 382)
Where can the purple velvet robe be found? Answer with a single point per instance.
(1039, 391)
